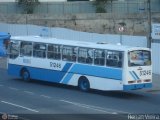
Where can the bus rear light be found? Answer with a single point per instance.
(147, 80)
(139, 81)
(130, 82)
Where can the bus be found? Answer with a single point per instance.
(83, 64)
(4, 40)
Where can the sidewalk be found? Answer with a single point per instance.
(156, 77)
(156, 82)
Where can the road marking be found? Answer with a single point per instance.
(28, 92)
(12, 88)
(105, 110)
(88, 107)
(20, 106)
(46, 96)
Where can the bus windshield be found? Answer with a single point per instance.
(139, 58)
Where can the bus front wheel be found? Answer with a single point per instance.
(83, 84)
(25, 75)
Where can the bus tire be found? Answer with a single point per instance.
(83, 84)
(25, 75)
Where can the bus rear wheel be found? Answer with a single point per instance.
(83, 84)
(25, 75)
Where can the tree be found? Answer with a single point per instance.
(28, 5)
(101, 5)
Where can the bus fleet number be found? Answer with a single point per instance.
(145, 72)
(55, 65)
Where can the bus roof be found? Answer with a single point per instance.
(75, 43)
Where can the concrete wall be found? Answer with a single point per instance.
(134, 24)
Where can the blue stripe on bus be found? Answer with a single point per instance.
(132, 75)
(110, 73)
(67, 78)
(14, 69)
(135, 75)
(66, 67)
(38, 73)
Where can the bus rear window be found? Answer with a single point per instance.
(139, 58)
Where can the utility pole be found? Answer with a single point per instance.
(149, 40)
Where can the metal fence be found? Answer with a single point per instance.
(128, 6)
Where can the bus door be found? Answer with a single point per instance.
(26, 51)
(13, 50)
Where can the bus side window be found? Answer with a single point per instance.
(26, 48)
(39, 50)
(90, 56)
(120, 62)
(109, 61)
(82, 54)
(114, 58)
(69, 53)
(85, 55)
(99, 56)
(54, 52)
(74, 53)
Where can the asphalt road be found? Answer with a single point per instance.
(42, 100)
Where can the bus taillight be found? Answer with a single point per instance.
(139, 81)
(131, 82)
(147, 80)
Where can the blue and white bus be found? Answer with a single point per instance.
(83, 64)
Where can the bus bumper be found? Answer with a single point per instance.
(137, 86)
